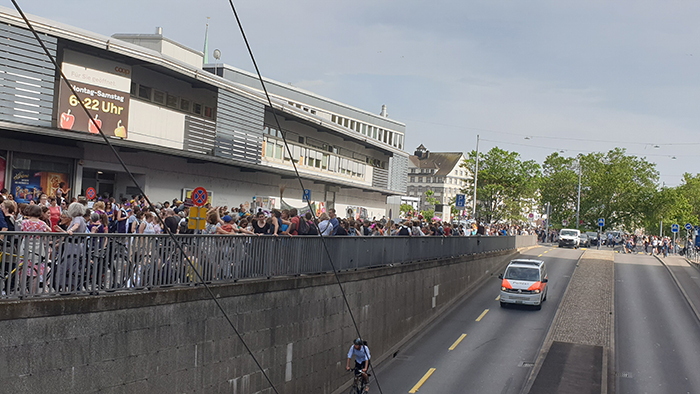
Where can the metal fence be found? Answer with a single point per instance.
(47, 264)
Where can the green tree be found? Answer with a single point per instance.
(507, 185)
(671, 206)
(617, 187)
(428, 214)
(405, 208)
(559, 187)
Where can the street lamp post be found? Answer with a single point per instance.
(476, 176)
(578, 201)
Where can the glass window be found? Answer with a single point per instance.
(278, 151)
(145, 92)
(172, 101)
(208, 112)
(352, 124)
(374, 132)
(364, 129)
(185, 105)
(158, 97)
(334, 118)
(269, 149)
(345, 122)
(324, 162)
(196, 108)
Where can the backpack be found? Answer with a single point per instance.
(404, 231)
(312, 229)
(112, 228)
(303, 228)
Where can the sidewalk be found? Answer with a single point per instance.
(687, 277)
(579, 346)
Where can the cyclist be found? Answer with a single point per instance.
(360, 350)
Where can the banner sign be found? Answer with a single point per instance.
(28, 185)
(103, 86)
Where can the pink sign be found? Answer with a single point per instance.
(2, 172)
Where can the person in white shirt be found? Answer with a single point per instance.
(360, 351)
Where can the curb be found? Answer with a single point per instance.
(548, 338)
(678, 284)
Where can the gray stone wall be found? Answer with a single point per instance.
(176, 341)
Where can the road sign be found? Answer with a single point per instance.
(674, 228)
(307, 195)
(688, 226)
(564, 222)
(199, 196)
(601, 222)
(91, 193)
(197, 219)
(460, 201)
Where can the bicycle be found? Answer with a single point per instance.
(358, 385)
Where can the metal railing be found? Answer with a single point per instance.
(46, 264)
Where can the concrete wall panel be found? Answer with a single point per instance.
(176, 340)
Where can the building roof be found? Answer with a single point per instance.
(443, 162)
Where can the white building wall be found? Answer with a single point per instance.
(165, 176)
(156, 125)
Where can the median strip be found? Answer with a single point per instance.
(481, 316)
(422, 380)
(454, 345)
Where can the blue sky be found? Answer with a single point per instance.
(571, 76)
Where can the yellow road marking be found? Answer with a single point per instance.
(481, 316)
(584, 248)
(540, 255)
(498, 298)
(422, 380)
(546, 251)
(454, 345)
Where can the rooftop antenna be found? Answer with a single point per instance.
(206, 43)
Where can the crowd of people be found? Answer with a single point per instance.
(135, 215)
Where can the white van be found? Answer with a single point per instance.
(569, 237)
(524, 282)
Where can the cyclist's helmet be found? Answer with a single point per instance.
(358, 342)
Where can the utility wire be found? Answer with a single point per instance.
(556, 137)
(301, 183)
(133, 179)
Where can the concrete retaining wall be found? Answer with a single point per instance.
(176, 341)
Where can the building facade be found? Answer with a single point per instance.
(179, 124)
(440, 172)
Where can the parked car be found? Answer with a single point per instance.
(524, 282)
(569, 238)
(593, 238)
(584, 241)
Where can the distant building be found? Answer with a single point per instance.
(436, 171)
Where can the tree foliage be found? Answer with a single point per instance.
(505, 186)
(615, 186)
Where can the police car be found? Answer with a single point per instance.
(524, 282)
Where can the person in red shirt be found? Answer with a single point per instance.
(55, 212)
(295, 222)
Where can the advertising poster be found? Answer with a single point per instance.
(103, 86)
(28, 185)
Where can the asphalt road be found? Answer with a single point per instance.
(489, 358)
(657, 336)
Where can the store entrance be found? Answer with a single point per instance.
(102, 181)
